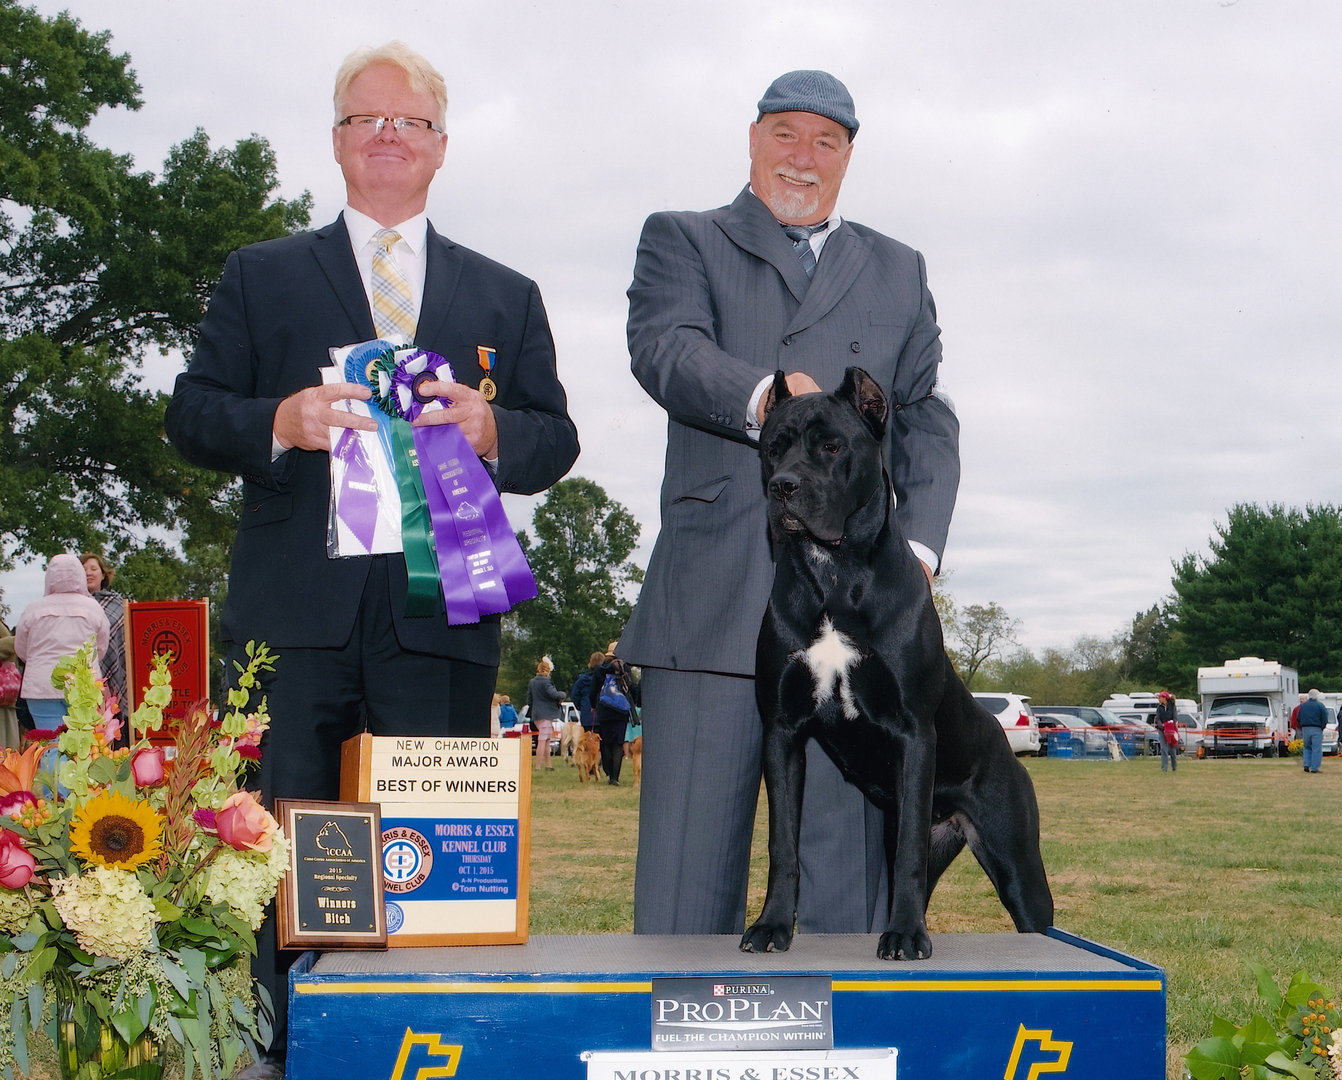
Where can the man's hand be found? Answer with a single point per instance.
(469, 411)
(927, 571)
(797, 383)
(303, 418)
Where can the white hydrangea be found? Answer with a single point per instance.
(107, 910)
(246, 880)
(16, 908)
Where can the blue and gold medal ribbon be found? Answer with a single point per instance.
(362, 365)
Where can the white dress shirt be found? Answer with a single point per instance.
(408, 252)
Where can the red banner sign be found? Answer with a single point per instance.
(179, 627)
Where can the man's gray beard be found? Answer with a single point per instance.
(792, 205)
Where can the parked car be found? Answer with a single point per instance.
(1134, 737)
(1063, 729)
(1014, 714)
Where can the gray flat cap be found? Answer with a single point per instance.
(816, 92)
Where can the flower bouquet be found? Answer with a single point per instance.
(131, 886)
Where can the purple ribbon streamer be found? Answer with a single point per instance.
(356, 504)
(481, 565)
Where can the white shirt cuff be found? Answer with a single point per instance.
(926, 554)
(276, 448)
(753, 408)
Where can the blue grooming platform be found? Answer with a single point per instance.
(985, 1005)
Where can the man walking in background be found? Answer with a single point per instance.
(1313, 719)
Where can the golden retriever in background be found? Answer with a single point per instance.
(636, 752)
(588, 757)
(568, 740)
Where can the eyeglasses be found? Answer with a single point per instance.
(373, 125)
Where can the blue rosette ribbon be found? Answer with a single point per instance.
(454, 531)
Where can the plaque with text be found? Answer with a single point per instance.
(456, 816)
(332, 896)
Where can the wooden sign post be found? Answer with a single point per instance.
(456, 834)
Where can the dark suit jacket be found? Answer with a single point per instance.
(279, 308)
(719, 301)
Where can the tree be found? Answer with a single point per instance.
(1271, 587)
(102, 264)
(983, 632)
(580, 559)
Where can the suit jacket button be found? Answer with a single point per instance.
(787, 340)
(857, 346)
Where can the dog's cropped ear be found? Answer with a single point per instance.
(865, 395)
(776, 393)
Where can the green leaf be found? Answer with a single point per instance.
(102, 770)
(1267, 985)
(1283, 1064)
(1257, 1030)
(179, 980)
(128, 1023)
(18, 1025)
(100, 1004)
(1214, 1059)
(194, 962)
(166, 909)
(43, 962)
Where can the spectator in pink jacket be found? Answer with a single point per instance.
(56, 626)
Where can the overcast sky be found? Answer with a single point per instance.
(1130, 215)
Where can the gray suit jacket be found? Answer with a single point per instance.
(719, 301)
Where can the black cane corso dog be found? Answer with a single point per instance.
(851, 654)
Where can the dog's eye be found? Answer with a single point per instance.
(773, 453)
(831, 448)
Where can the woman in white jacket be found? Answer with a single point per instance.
(55, 626)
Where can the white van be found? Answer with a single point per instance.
(1246, 707)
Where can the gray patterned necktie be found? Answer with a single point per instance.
(800, 235)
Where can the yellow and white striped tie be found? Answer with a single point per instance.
(393, 305)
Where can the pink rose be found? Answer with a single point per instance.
(16, 800)
(244, 823)
(16, 864)
(147, 766)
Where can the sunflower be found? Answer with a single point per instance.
(112, 830)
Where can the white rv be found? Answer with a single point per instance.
(1246, 707)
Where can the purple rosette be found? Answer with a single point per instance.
(480, 564)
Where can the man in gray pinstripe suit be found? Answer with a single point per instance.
(719, 301)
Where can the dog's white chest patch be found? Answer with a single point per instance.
(830, 658)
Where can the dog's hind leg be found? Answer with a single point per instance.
(948, 840)
(1005, 841)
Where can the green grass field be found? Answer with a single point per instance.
(1198, 871)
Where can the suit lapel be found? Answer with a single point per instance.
(331, 248)
(442, 271)
(750, 226)
(842, 259)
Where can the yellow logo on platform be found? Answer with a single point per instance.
(1046, 1044)
(434, 1047)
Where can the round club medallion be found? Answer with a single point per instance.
(488, 390)
(407, 859)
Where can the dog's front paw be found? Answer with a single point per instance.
(911, 945)
(767, 937)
